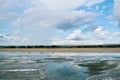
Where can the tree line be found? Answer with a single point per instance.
(63, 46)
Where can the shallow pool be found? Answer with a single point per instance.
(59, 66)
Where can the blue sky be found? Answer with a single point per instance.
(59, 22)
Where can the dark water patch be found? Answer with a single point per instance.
(58, 59)
(99, 67)
(113, 75)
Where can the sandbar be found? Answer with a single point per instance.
(93, 50)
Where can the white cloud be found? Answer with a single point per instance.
(8, 39)
(117, 34)
(99, 33)
(34, 17)
(62, 4)
(93, 2)
(102, 34)
(74, 42)
(117, 11)
(77, 35)
(57, 13)
(65, 4)
(98, 36)
(8, 16)
(7, 3)
(40, 20)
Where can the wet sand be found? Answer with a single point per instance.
(62, 66)
(94, 50)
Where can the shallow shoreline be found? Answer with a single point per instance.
(94, 50)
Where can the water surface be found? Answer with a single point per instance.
(59, 66)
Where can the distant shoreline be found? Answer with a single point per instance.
(93, 50)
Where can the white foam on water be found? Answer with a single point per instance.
(27, 61)
(100, 77)
(17, 61)
(20, 70)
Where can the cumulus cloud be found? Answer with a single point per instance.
(117, 11)
(77, 19)
(9, 9)
(7, 38)
(100, 33)
(34, 17)
(77, 35)
(98, 36)
(42, 20)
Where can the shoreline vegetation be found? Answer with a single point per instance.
(62, 48)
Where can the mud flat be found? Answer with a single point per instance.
(62, 66)
(94, 50)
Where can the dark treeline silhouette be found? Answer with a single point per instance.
(64, 46)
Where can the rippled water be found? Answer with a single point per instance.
(59, 66)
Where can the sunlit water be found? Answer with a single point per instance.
(59, 66)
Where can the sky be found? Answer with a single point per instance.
(59, 22)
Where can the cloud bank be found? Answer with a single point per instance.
(59, 21)
(98, 36)
(117, 11)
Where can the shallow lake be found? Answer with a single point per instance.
(59, 66)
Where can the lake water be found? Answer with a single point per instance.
(59, 66)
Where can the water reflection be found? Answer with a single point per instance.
(59, 66)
